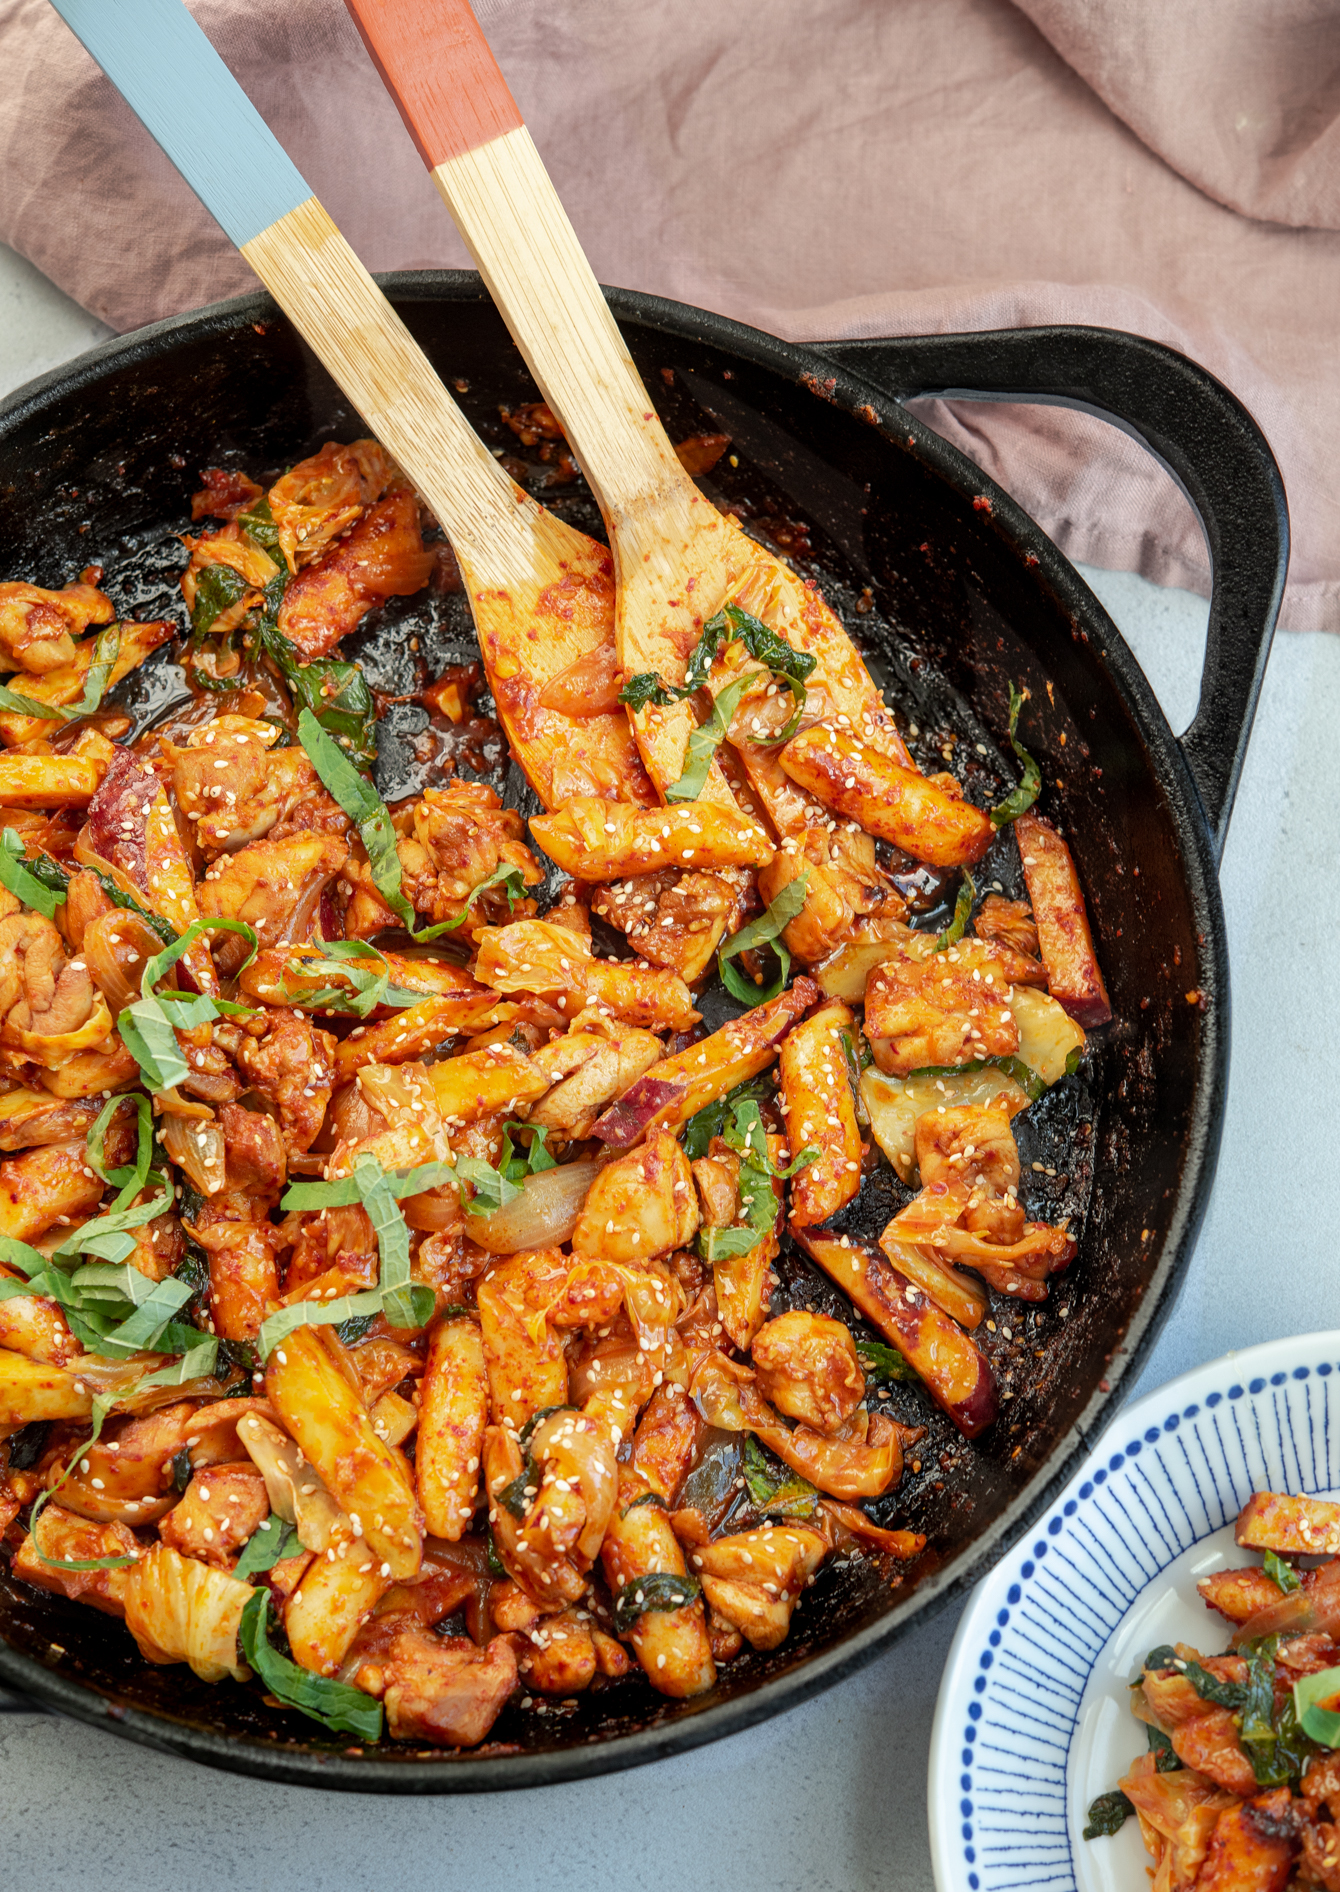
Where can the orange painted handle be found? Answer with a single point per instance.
(438, 68)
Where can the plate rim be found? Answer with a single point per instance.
(1260, 1361)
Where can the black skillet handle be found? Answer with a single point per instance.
(1207, 441)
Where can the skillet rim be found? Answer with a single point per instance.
(827, 378)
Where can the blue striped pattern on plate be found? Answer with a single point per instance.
(1032, 1719)
(165, 69)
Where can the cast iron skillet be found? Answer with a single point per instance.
(953, 592)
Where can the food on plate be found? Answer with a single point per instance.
(406, 1299)
(1239, 1789)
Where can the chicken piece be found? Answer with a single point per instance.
(331, 1603)
(127, 1474)
(675, 1088)
(1254, 1845)
(64, 1535)
(179, 1610)
(66, 686)
(1320, 1811)
(242, 1244)
(596, 1061)
(292, 1066)
(971, 1144)
(670, 1643)
(382, 556)
(275, 887)
(844, 883)
(453, 1412)
(336, 1245)
(441, 1689)
(219, 1510)
(131, 829)
(532, 956)
(381, 1365)
(1010, 921)
(51, 1007)
(641, 1205)
(31, 1118)
(255, 1152)
(594, 839)
(561, 1659)
(877, 941)
(925, 816)
(816, 1063)
(807, 1367)
(1074, 977)
(896, 1105)
(211, 1434)
(238, 788)
(326, 493)
(755, 1578)
(674, 919)
(38, 628)
(862, 1458)
(549, 1510)
(461, 836)
(1209, 1743)
(1239, 1594)
(369, 1478)
(929, 1012)
(1295, 1525)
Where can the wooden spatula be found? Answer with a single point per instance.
(677, 561)
(542, 594)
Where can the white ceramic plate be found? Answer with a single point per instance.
(1032, 1721)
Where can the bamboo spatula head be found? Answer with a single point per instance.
(676, 559)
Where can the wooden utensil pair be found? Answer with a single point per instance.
(675, 559)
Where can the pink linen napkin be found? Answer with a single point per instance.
(866, 167)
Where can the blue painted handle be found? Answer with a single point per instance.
(165, 69)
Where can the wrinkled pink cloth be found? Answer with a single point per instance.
(855, 169)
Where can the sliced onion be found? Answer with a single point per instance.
(197, 1148)
(542, 1216)
(116, 948)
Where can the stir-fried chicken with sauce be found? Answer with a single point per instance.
(1240, 1788)
(387, 1262)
